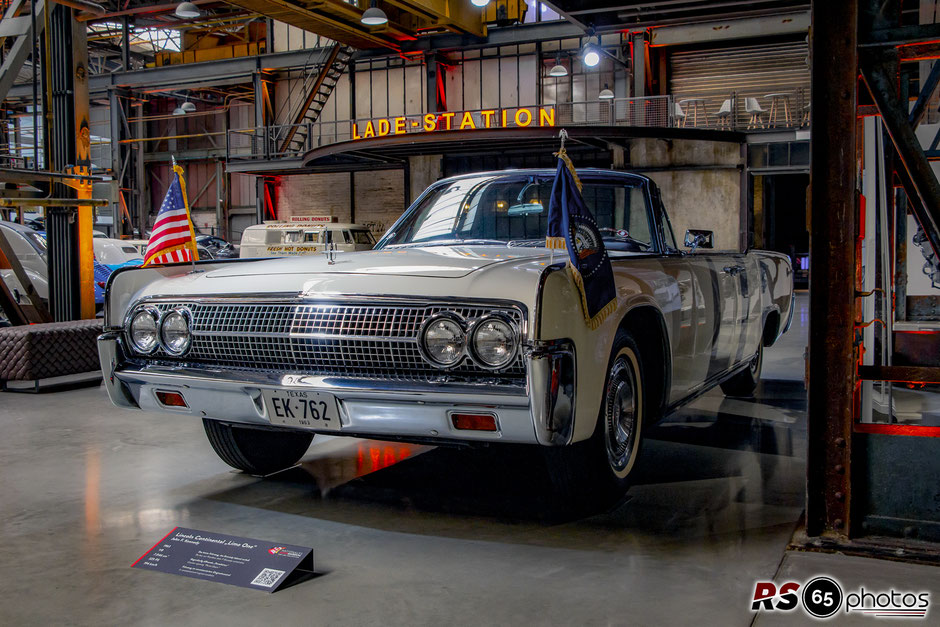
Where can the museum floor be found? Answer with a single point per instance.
(405, 534)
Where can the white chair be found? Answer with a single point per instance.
(752, 107)
(679, 114)
(724, 114)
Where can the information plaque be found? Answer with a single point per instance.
(244, 562)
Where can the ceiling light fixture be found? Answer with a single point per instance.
(187, 10)
(188, 107)
(558, 69)
(479, 3)
(606, 93)
(591, 54)
(179, 111)
(374, 16)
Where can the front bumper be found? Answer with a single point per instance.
(540, 413)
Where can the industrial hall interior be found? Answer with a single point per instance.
(470, 312)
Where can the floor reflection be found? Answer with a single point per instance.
(720, 465)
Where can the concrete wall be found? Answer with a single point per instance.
(424, 170)
(702, 187)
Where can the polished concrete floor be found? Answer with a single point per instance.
(403, 534)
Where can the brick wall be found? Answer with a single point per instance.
(380, 197)
(314, 195)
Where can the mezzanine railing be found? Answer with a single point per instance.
(786, 110)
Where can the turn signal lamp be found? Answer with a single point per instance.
(474, 422)
(171, 399)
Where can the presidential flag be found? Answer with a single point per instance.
(172, 239)
(571, 227)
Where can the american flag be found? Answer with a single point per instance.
(172, 239)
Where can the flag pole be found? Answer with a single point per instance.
(562, 135)
(193, 252)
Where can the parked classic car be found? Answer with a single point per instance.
(460, 327)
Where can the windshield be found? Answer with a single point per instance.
(514, 210)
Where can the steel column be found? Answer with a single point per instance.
(832, 289)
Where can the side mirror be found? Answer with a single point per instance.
(699, 238)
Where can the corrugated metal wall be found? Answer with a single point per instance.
(739, 73)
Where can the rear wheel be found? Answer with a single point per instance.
(256, 451)
(745, 382)
(597, 472)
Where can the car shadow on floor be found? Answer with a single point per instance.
(738, 461)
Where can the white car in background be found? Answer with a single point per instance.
(282, 239)
(115, 252)
(30, 248)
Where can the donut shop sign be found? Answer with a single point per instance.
(515, 117)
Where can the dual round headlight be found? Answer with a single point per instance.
(491, 341)
(171, 331)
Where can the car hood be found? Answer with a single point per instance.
(443, 262)
(440, 272)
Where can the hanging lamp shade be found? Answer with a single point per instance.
(606, 93)
(187, 10)
(558, 69)
(374, 16)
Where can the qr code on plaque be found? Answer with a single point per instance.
(267, 577)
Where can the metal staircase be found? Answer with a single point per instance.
(16, 39)
(317, 88)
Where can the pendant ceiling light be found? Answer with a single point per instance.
(479, 3)
(187, 10)
(591, 54)
(558, 69)
(606, 93)
(374, 16)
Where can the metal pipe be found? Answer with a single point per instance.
(155, 139)
(53, 202)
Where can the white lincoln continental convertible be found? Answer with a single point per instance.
(460, 327)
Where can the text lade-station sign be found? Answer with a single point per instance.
(516, 117)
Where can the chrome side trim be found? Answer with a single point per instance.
(790, 315)
(552, 381)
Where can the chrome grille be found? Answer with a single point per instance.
(343, 339)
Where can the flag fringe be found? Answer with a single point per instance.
(561, 154)
(556, 243)
(605, 311)
(166, 251)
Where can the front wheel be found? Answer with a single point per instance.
(597, 472)
(256, 451)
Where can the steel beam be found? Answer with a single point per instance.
(22, 47)
(926, 93)
(221, 71)
(880, 71)
(832, 290)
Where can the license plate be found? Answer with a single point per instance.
(302, 408)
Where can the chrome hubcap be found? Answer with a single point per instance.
(620, 427)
